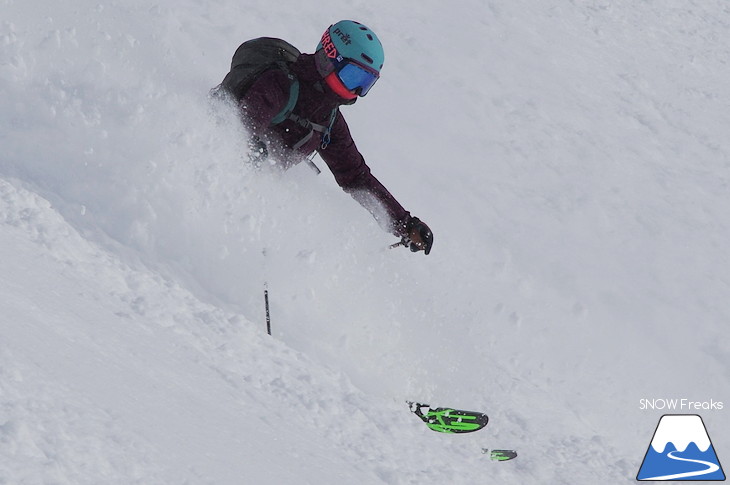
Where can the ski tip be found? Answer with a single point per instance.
(500, 455)
(449, 420)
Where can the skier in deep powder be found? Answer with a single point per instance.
(345, 65)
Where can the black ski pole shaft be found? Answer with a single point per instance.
(268, 314)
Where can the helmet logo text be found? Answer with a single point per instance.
(343, 36)
(329, 46)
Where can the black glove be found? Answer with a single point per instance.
(257, 151)
(418, 236)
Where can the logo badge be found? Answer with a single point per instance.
(681, 450)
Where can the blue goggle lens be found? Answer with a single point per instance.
(354, 76)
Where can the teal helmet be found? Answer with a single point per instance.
(351, 54)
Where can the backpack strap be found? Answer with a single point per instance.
(312, 127)
(285, 113)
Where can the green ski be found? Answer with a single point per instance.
(449, 420)
(500, 455)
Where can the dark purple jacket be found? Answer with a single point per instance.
(269, 95)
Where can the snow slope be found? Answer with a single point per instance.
(571, 158)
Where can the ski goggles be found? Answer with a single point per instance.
(356, 76)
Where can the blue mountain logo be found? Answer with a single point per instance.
(681, 450)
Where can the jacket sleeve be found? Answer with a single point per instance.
(352, 174)
(266, 97)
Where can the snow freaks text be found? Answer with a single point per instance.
(679, 405)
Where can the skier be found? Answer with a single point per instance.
(346, 64)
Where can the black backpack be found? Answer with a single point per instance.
(256, 56)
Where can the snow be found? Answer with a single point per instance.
(681, 430)
(571, 158)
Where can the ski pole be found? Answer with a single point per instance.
(266, 304)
